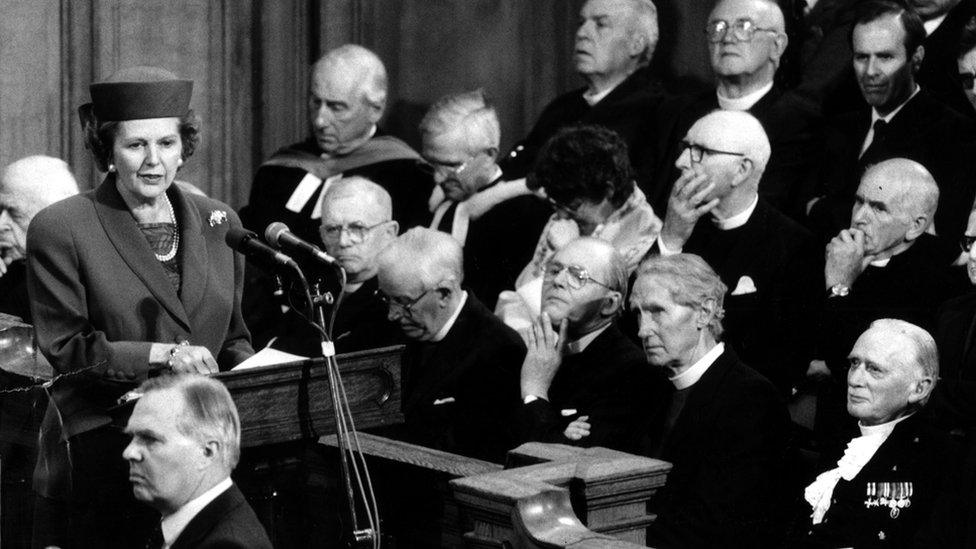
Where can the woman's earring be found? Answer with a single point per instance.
(111, 168)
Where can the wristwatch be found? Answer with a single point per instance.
(839, 290)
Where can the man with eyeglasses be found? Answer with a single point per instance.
(460, 135)
(583, 381)
(902, 120)
(356, 227)
(770, 263)
(460, 367)
(746, 40)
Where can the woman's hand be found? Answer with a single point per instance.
(192, 359)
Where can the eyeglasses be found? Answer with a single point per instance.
(742, 30)
(432, 167)
(966, 242)
(578, 277)
(357, 231)
(402, 306)
(968, 80)
(697, 152)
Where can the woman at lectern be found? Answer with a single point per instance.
(129, 280)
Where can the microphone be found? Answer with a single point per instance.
(278, 234)
(248, 243)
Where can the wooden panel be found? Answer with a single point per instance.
(291, 401)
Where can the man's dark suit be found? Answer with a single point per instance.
(939, 72)
(460, 394)
(226, 522)
(925, 131)
(914, 453)
(955, 335)
(770, 327)
(727, 447)
(13, 291)
(609, 381)
(789, 124)
(627, 110)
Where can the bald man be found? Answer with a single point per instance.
(356, 226)
(27, 186)
(770, 263)
(746, 41)
(884, 266)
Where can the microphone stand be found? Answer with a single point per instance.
(361, 537)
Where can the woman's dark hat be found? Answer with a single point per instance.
(136, 93)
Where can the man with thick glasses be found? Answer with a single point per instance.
(901, 120)
(746, 40)
(583, 381)
(460, 136)
(770, 263)
(460, 367)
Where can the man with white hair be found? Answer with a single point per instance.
(615, 42)
(746, 41)
(27, 186)
(461, 364)
(186, 440)
(881, 489)
(770, 263)
(347, 98)
(460, 136)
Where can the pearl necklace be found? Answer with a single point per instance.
(176, 235)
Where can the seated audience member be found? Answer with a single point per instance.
(356, 226)
(586, 176)
(460, 367)
(746, 41)
(460, 141)
(723, 426)
(583, 381)
(27, 186)
(966, 62)
(186, 440)
(770, 264)
(614, 44)
(903, 120)
(882, 488)
(955, 332)
(945, 23)
(347, 98)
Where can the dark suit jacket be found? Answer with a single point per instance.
(914, 453)
(13, 291)
(925, 131)
(939, 73)
(610, 381)
(955, 335)
(727, 447)
(225, 523)
(790, 126)
(100, 298)
(628, 110)
(460, 394)
(772, 327)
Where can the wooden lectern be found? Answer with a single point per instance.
(289, 402)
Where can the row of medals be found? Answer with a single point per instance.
(893, 495)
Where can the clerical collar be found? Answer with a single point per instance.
(933, 24)
(592, 98)
(442, 333)
(173, 525)
(580, 345)
(737, 220)
(884, 429)
(691, 376)
(743, 103)
(887, 118)
(880, 263)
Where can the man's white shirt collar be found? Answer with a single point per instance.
(594, 98)
(737, 220)
(580, 345)
(933, 24)
(743, 103)
(691, 376)
(442, 333)
(173, 525)
(887, 118)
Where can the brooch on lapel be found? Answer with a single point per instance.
(893, 495)
(217, 217)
